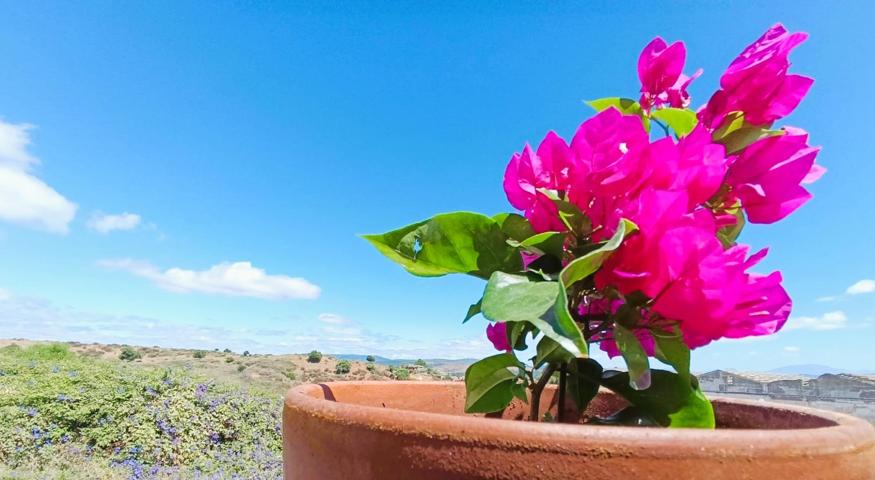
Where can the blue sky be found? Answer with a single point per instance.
(273, 134)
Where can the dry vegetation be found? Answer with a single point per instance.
(270, 373)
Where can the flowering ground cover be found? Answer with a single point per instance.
(72, 411)
(66, 416)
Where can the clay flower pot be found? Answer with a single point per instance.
(416, 430)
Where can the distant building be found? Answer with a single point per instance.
(827, 387)
(846, 387)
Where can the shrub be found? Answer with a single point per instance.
(227, 350)
(229, 359)
(371, 367)
(246, 353)
(371, 358)
(63, 415)
(401, 373)
(129, 354)
(199, 354)
(343, 367)
(241, 367)
(421, 363)
(314, 357)
(290, 374)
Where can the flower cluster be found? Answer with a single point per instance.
(628, 237)
(686, 195)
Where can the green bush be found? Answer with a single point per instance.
(401, 373)
(371, 358)
(227, 350)
(371, 367)
(314, 357)
(229, 359)
(246, 353)
(241, 367)
(129, 354)
(67, 416)
(421, 363)
(199, 354)
(343, 367)
(290, 374)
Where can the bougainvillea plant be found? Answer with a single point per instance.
(628, 238)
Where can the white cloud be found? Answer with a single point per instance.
(792, 349)
(237, 279)
(24, 198)
(828, 321)
(4, 295)
(332, 318)
(830, 298)
(105, 223)
(861, 287)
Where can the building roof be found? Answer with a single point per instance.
(763, 377)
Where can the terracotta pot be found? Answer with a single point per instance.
(417, 430)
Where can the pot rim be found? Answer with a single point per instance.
(847, 434)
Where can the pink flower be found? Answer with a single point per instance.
(768, 174)
(717, 298)
(660, 69)
(668, 242)
(757, 82)
(497, 334)
(529, 171)
(677, 96)
(694, 165)
(605, 168)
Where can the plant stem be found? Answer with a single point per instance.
(560, 413)
(534, 413)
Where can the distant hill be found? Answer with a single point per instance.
(451, 366)
(812, 370)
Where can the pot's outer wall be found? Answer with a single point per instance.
(416, 430)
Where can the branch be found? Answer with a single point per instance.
(534, 413)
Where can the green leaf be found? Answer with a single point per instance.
(473, 311)
(519, 391)
(626, 106)
(517, 332)
(583, 381)
(635, 357)
(515, 226)
(573, 218)
(460, 242)
(548, 351)
(586, 265)
(728, 235)
(670, 400)
(681, 120)
(516, 298)
(736, 134)
(671, 349)
(552, 243)
(490, 384)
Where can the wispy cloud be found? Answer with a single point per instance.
(792, 349)
(105, 222)
(40, 319)
(861, 287)
(234, 279)
(332, 318)
(828, 321)
(24, 198)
